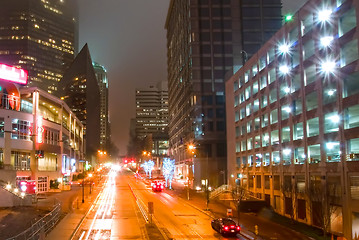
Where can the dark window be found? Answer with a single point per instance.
(221, 150)
(207, 100)
(219, 73)
(218, 61)
(204, 24)
(207, 74)
(271, 24)
(288, 206)
(219, 99)
(205, 36)
(227, 24)
(218, 48)
(259, 181)
(210, 113)
(203, 12)
(271, 12)
(220, 126)
(217, 36)
(217, 24)
(210, 126)
(301, 209)
(252, 24)
(227, 36)
(226, 12)
(206, 61)
(216, 12)
(276, 183)
(251, 12)
(205, 49)
(220, 113)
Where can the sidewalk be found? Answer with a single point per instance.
(266, 228)
(75, 211)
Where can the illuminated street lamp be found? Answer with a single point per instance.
(191, 148)
(288, 17)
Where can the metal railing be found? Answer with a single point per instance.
(224, 188)
(39, 229)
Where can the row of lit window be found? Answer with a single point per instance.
(290, 48)
(313, 154)
(331, 124)
(295, 107)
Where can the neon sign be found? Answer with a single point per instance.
(39, 130)
(13, 74)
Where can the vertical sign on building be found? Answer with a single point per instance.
(39, 130)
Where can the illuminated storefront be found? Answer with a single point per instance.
(37, 133)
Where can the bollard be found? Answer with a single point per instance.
(256, 230)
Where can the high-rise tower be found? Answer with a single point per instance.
(39, 36)
(205, 40)
(151, 110)
(80, 90)
(102, 81)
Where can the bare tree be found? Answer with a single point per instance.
(238, 194)
(323, 205)
(290, 197)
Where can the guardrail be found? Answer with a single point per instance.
(39, 229)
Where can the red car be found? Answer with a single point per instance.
(157, 186)
(225, 226)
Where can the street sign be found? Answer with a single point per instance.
(150, 208)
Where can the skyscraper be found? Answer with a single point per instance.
(80, 90)
(102, 81)
(205, 40)
(151, 110)
(38, 36)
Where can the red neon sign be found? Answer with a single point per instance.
(13, 74)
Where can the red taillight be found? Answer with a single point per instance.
(232, 226)
(225, 228)
(161, 186)
(238, 228)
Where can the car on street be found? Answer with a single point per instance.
(225, 226)
(157, 186)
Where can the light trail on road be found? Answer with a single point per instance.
(100, 227)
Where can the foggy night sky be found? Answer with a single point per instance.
(129, 39)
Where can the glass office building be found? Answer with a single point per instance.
(293, 119)
(38, 36)
(206, 39)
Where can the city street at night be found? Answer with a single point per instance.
(179, 119)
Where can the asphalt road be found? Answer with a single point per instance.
(121, 212)
(114, 214)
(176, 218)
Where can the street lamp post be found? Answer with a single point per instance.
(90, 175)
(207, 183)
(83, 190)
(191, 148)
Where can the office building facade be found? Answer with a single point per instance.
(292, 119)
(80, 90)
(151, 110)
(38, 36)
(205, 40)
(101, 75)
